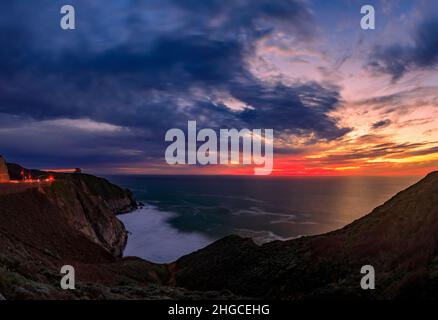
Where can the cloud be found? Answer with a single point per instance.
(381, 124)
(132, 72)
(67, 141)
(83, 124)
(397, 60)
(377, 149)
(297, 110)
(403, 101)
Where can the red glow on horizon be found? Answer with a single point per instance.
(60, 170)
(287, 166)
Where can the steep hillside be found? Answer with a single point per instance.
(89, 204)
(399, 238)
(69, 221)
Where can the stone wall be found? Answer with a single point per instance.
(4, 175)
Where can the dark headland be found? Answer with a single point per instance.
(73, 221)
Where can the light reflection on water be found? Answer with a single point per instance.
(268, 207)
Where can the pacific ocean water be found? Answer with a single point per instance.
(185, 213)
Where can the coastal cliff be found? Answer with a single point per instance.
(89, 204)
(47, 225)
(72, 221)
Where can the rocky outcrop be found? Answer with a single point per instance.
(85, 204)
(399, 239)
(89, 204)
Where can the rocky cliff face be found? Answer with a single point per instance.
(47, 226)
(89, 204)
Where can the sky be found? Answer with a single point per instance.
(341, 100)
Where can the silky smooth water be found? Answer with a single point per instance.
(185, 213)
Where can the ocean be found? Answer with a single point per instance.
(182, 214)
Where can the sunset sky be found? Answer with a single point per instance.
(341, 100)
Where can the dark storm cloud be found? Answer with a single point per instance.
(381, 124)
(396, 60)
(301, 109)
(256, 17)
(169, 63)
(131, 65)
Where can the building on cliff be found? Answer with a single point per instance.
(4, 174)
